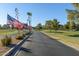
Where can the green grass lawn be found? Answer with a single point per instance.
(68, 37)
(71, 35)
(7, 31)
(74, 34)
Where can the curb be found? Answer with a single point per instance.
(13, 50)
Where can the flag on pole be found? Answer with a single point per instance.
(15, 23)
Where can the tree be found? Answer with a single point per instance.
(76, 5)
(70, 17)
(29, 17)
(29, 20)
(5, 26)
(29, 13)
(66, 26)
(49, 24)
(39, 26)
(52, 24)
(61, 27)
(0, 26)
(55, 24)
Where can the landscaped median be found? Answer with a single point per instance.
(68, 38)
(9, 39)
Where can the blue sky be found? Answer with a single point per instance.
(40, 12)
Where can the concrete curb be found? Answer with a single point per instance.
(61, 42)
(13, 50)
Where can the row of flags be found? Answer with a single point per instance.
(16, 23)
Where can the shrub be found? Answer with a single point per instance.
(3, 41)
(27, 33)
(23, 35)
(6, 41)
(19, 37)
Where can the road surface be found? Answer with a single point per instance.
(40, 45)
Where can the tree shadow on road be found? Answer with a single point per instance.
(25, 49)
(21, 48)
(29, 40)
(11, 45)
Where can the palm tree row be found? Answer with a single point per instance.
(73, 16)
(49, 25)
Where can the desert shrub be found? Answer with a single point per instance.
(6, 41)
(3, 41)
(22, 34)
(27, 33)
(19, 36)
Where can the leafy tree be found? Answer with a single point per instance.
(76, 5)
(49, 24)
(77, 27)
(52, 24)
(5, 26)
(43, 27)
(39, 26)
(55, 24)
(66, 26)
(70, 17)
(0, 26)
(61, 27)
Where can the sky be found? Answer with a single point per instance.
(41, 12)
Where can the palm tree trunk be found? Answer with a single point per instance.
(70, 26)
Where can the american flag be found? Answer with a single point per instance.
(15, 23)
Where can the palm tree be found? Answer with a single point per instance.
(49, 24)
(55, 24)
(70, 21)
(29, 17)
(70, 17)
(39, 26)
(66, 26)
(29, 13)
(76, 5)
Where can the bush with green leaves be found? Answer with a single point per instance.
(6, 41)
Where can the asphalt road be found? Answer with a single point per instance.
(40, 45)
